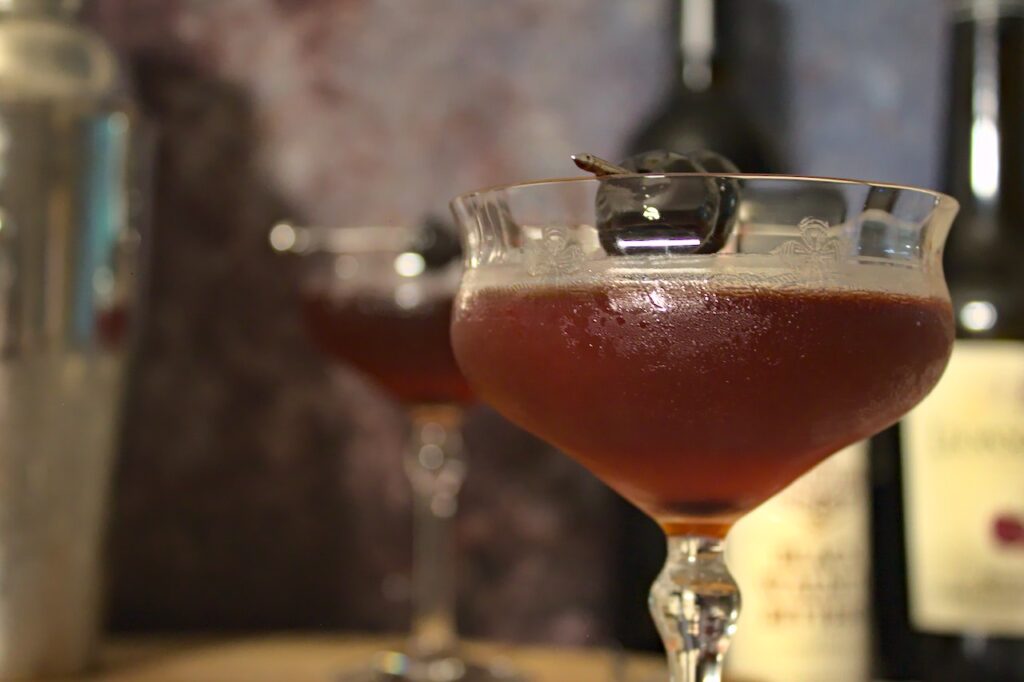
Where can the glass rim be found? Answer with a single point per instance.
(942, 200)
(290, 237)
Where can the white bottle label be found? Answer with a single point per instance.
(801, 560)
(963, 458)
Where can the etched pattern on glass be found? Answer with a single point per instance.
(554, 253)
(815, 256)
(812, 258)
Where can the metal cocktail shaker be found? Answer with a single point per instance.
(66, 269)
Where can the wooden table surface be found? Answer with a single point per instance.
(309, 658)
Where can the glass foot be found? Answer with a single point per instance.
(394, 666)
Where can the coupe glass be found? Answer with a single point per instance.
(699, 342)
(380, 299)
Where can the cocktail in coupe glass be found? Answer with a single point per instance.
(701, 341)
(379, 298)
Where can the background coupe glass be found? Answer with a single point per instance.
(380, 299)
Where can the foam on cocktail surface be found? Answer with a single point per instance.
(753, 271)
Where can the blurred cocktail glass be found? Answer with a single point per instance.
(699, 342)
(379, 298)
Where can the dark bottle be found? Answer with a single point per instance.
(950, 587)
(701, 111)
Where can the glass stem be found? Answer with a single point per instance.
(435, 466)
(695, 603)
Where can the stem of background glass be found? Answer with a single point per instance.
(435, 466)
(695, 603)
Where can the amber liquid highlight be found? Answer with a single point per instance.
(406, 352)
(699, 403)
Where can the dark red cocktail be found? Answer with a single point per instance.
(407, 352)
(695, 402)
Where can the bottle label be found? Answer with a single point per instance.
(963, 458)
(801, 560)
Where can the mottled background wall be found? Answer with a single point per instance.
(260, 487)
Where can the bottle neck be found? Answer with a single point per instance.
(986, 131)
(967, 10)
(694, 24)
(699, 33)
